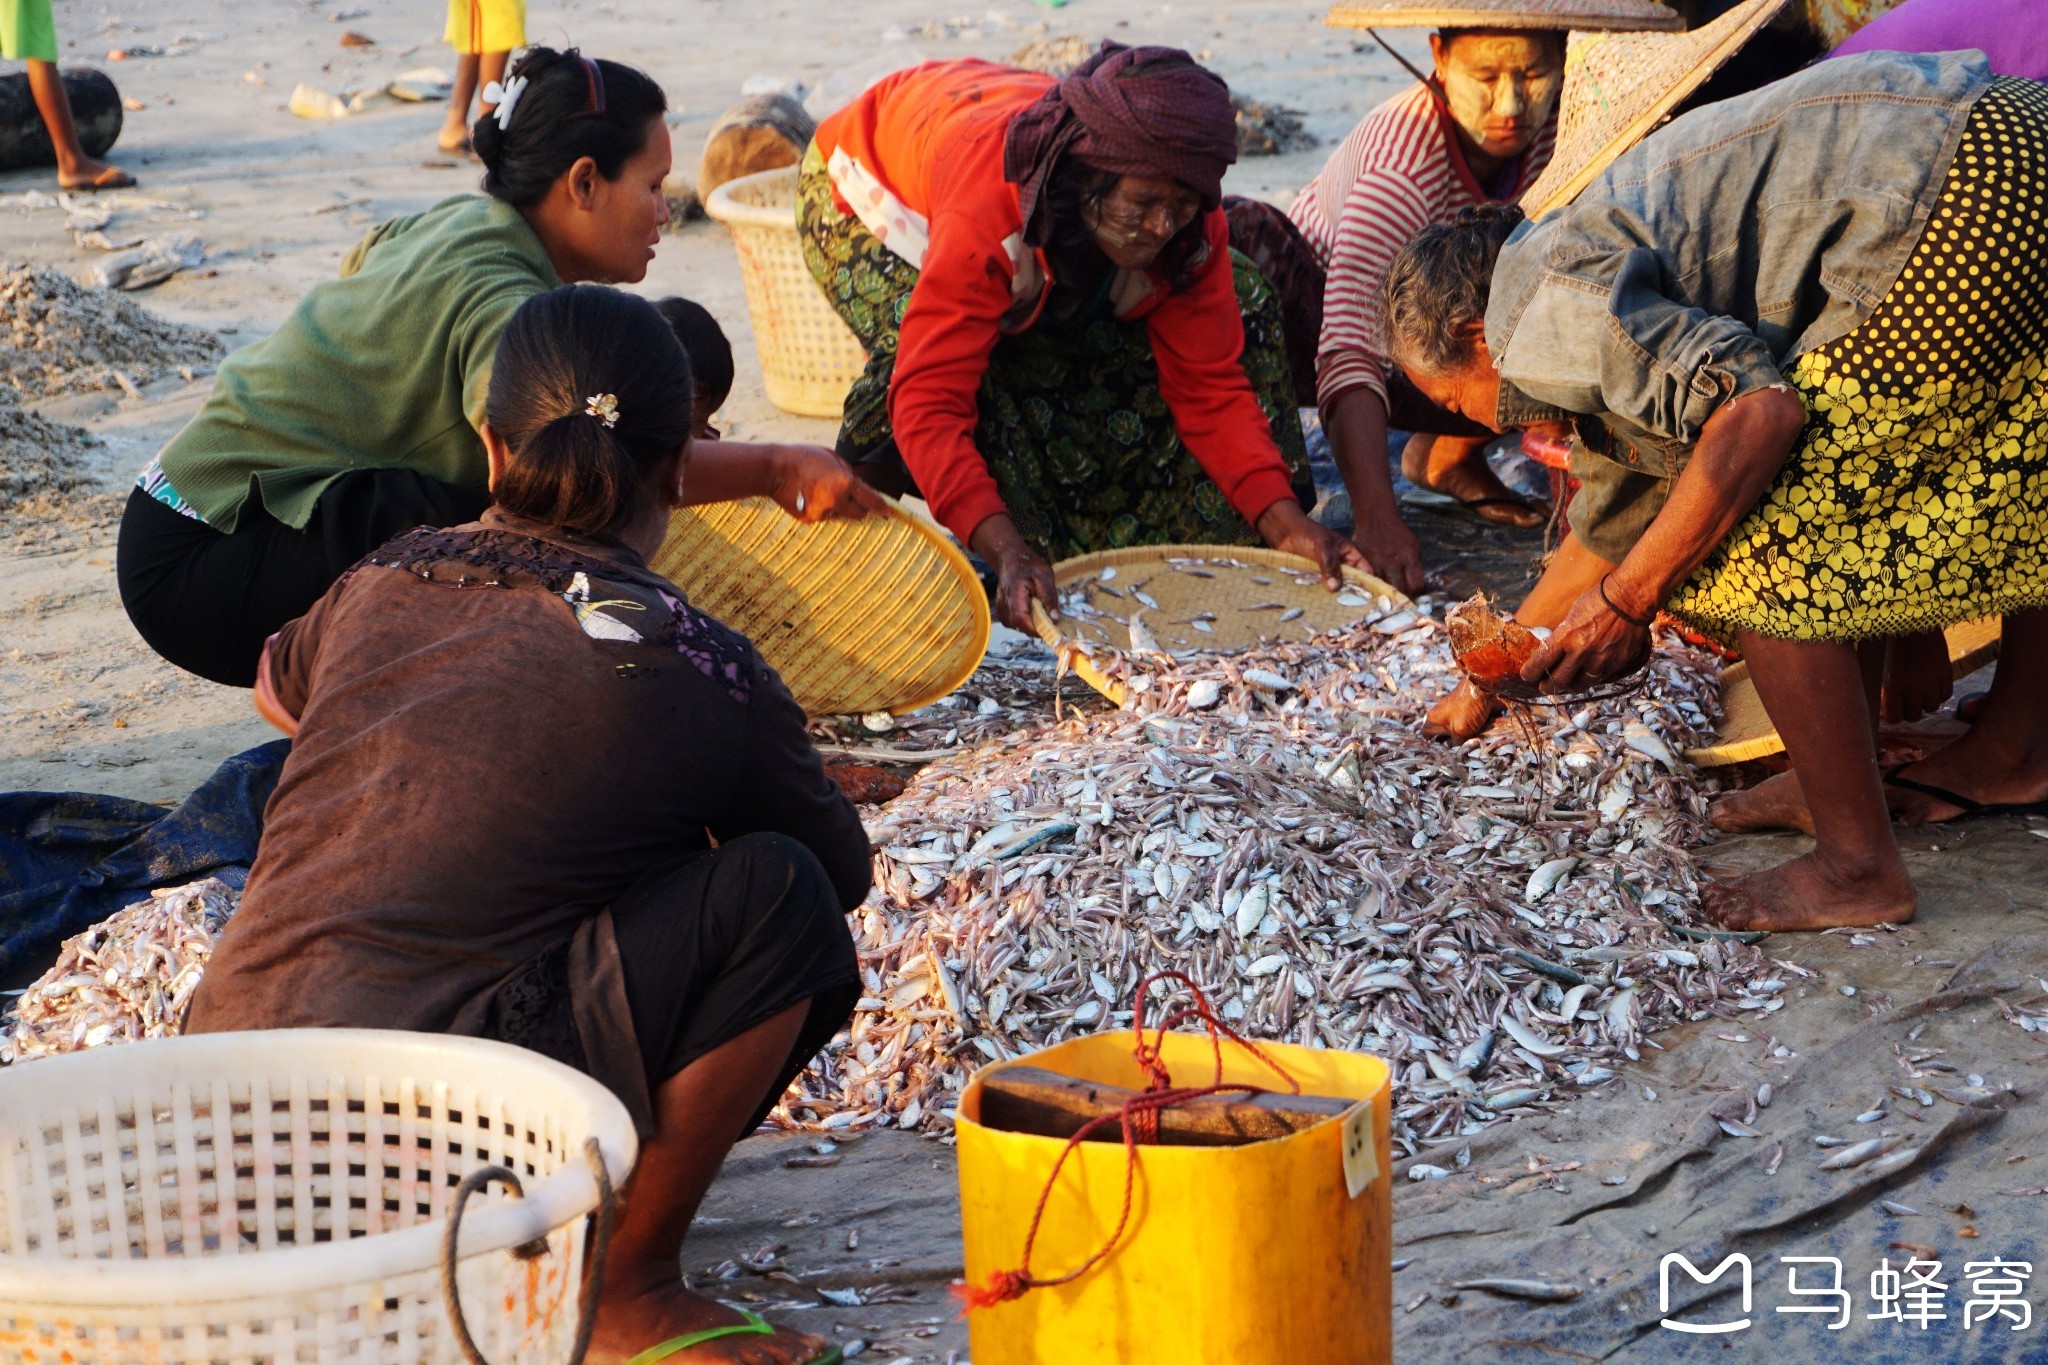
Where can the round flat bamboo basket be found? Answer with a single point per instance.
(808, 357)
(1509, 14)
(1201, 598)
(879, 614)
(1747, 733)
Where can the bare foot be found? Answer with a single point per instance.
(88, 174)
(1461, 713)
(1774, 803)
(1809, 894)
(1458, 468)
(632, 1318)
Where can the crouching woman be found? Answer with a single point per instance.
(534, 795)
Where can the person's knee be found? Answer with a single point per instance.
(785, 881)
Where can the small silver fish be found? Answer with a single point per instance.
(1893, 1163)
(1857, 1153)
(1535, 1291)
(1477, 1053)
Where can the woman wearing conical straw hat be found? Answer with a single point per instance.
(1476, 129)
(1817, 315)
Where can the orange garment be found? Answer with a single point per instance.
(932, 139)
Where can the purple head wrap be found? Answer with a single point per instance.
(1148, 111)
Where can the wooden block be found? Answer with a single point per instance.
(1029, 1099)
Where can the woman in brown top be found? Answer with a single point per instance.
(534, 795)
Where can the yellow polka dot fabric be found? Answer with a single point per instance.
(1918, 494)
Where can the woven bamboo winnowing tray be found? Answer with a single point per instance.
(1507, 14)
(1244, 595)
(1746, 730)
(879, 614)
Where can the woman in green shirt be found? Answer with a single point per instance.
(357, 420)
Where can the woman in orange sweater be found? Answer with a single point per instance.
(1064, 354)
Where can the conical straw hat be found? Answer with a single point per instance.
(1508, 14)
(879, 614)
(1619, 86)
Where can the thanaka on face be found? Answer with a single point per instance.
(1501, 88)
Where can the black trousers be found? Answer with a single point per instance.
(712, 944)
(207, 600)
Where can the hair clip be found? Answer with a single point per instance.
(503, 98)
(604, 407)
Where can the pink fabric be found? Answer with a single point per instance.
(2012, 33)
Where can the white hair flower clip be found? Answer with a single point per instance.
(604, 407)
(503, 98)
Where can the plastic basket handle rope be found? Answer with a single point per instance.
(598, 1240)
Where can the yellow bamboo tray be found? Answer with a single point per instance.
(1245, 596)
(1747, 732)
(879, 614)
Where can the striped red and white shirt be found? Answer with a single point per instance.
(1401, 169)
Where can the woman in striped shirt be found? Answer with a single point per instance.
(1479, 132)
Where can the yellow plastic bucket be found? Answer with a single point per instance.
(1249, 1254)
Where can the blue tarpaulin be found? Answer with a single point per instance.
(70, 859)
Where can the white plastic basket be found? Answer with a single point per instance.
(281, 1196)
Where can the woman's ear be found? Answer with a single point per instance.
(582, 180)
(496, 453)
(1440, 54)
(680, 473)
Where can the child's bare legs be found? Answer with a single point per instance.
(472, 72)
(698, 1114)
(75, 170)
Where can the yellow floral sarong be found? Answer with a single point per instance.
(1918, 494)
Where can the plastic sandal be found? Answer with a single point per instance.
(754, 1326)
(1970, 807)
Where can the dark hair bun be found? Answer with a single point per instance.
(565, 353)
(571, 107)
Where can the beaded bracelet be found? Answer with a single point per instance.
(1640, 622)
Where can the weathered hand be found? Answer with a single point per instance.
(812, 483)
(1392, 553)
(1020, 576)
(1592, 645)
(1287, 528)
(1021, 573)
(1460, 713)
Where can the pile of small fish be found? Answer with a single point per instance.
(58, 337)
(130, 976)
(1503, 922)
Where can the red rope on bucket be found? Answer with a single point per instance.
(1138, 1118)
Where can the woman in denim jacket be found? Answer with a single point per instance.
(1800, 340)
